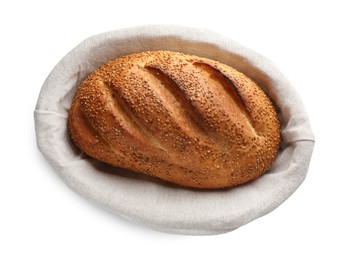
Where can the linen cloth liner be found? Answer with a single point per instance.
(154, 203)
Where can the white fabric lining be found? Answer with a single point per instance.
(157, 204)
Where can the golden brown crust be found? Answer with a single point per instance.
(184, 119)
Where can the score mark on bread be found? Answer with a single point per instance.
(185, 119)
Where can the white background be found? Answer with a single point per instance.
(40, 218)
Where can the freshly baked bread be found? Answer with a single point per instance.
(184, 119)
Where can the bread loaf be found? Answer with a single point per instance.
(185, 119)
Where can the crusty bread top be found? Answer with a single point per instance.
(182, 118)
